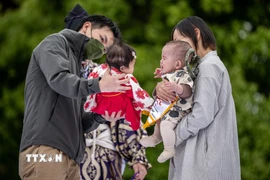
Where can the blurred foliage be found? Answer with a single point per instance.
(243, 39)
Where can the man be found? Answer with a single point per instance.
(52, 142)
(109, 147)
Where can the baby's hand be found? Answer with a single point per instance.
(171, 86)
(158, 73)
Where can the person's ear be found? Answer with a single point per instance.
(86, 26)
(178, 64)
(198, 33)
(122, 68)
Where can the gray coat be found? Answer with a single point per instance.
(207, 139)
(53, 95)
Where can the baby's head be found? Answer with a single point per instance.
(122, 57)
(173, 56)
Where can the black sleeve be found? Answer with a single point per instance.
(91, 121)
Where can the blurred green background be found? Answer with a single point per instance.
(243, 38)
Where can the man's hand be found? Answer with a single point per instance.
(113, 117)
(140, 171)
(109, 83)
(163, 93)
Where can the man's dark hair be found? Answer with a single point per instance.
(100, 21)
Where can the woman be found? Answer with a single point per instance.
(206, 139)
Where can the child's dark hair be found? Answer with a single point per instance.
(120, 54)
(100, 21)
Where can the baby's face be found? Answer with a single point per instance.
(168, 61)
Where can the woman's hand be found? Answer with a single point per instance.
(113, 117)
(139, 171)
(163, 92)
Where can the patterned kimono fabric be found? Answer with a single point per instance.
(100, 162)
(106, 164)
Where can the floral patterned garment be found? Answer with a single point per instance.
(107, 163)
(132, 102)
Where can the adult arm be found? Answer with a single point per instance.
(203, 110)
(51, 55)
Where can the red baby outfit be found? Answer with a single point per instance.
(132, 102)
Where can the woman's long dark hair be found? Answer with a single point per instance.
(187, 26)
